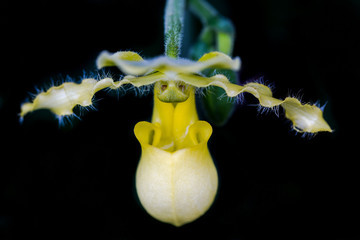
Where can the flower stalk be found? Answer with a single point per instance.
(222, 28)
(174, 25)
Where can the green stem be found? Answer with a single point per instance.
(218, 34)
(223, 28)
(203, 10)
(174, 18)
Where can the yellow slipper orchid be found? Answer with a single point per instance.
(176, 179)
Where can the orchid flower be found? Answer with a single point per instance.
(176, 179)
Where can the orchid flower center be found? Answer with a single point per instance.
(172, 91)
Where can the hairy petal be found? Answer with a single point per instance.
(62, 99)
(305, 117)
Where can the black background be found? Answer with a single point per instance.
(78, 181)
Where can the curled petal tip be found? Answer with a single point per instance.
(237, 64)
(127, 61)
(220, 60)
(102, 60)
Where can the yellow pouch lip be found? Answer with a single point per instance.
(180, 185)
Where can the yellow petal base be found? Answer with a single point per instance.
(176, 179)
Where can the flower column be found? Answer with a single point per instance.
(176, 179)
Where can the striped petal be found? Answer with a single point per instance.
(63, 98)
(305, 117)
(131, 63)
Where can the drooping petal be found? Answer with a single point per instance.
(305, 117)
(63, 98)
(176, 187)
(132, 63)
